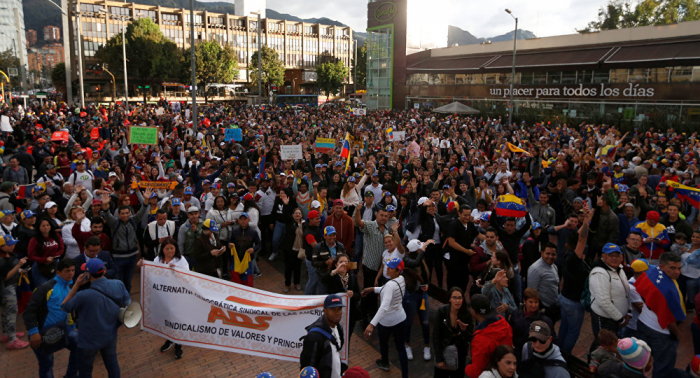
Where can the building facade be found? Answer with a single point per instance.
(46, 57)
(640, 76)
(52, 33)
(13, 34)
(299, 45)
(31, 37)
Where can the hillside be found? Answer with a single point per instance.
(461, 37)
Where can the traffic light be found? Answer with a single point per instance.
(97, 88)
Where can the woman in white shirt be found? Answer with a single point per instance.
(350, 194)
(390, 316)
(169, 255)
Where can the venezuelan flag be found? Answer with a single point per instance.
(662, 295)
(390, 131)
(514, 148)
(349, 141)
(654, 249)
(345, 152)
(608, 150)
(510, 205)
(261, 163)
(26, 191)
(24, 292)
(686, 193)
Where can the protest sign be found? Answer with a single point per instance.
(60, 136)
(143, 135)
(160, 111)
(197, 310)
(325, 145)
(175, 105)
(161, 185)
(291, 152)
(360, 111)
(399, 135)
(233, 134)
(95, 133)
(5, 124)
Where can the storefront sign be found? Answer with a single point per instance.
(310, 76)
(197, 310)
(603, 90)
(385, 12)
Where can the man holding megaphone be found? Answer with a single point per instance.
(98, 313)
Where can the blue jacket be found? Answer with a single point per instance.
(44, 308)
(625, 226)
(98, 315)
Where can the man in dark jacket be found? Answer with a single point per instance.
(324, 340)
(312, 236)
(323, 255)
(93, 249)
(44, 311)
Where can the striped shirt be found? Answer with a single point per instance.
(373, 244)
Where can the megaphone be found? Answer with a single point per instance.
(131, 315)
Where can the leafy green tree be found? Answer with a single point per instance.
(8, 60)
(360, 66)
(331, 76)
(151, 57)
(58, 78)
(214, 64)
(271, 67)
(619, 14)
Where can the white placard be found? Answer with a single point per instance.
(291, 152)
(5, 124)
(160, 111)
(197, 310)
(360, 111)
(399, 135)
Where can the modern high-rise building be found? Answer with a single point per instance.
(52, 33)
(300, 45)
(31, 37)
(397, 28)
(12, 33)
(46, 57)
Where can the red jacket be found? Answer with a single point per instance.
(50, 248)
(81, 237)
(479, 261)
(344, 230)
(489, 334)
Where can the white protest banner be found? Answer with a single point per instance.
(291, 152)
(5, 124)
(160, 111)
(399, 135)
(187, 113)
(197, 310)
(360, 111)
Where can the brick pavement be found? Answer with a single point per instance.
(139, 353)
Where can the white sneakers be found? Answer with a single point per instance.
(426, 353)
(409, 353)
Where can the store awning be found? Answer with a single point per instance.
(450, 64)
(655, 52)
(584, 57)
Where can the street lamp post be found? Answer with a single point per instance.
(66, 49)
(80, 61)
(354, 76)
(126, 80)
(193, 68)
(512, 74)
(259, 12)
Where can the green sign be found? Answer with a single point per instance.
(143, 135)
(385, 12)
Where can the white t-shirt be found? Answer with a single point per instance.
(391, 310)
(688, 270)
(387, 256)
(335, 354)
(649, 318)
(179, 262)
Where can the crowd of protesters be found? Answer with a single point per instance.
(516, 227)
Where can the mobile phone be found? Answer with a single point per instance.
(351, 265)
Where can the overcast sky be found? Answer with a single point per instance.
(479, 17)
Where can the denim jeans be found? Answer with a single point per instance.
(314, 279)
(692, 288)
(124, 270)
(571, 321)
(663, 348)
(691, 218)
(277, 235)
(384, 334)
(9, 311)
(37, 277)
(190, 261)
(411, 305)
(359, 238)
(517, 286)
(109, 357)
(46, 359)
(695, 331)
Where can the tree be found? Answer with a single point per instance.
(8, 60)
(360, 66)
(58, 78)
(618, 14)
(214, 64)
(151, 57)
(330, 76)
(272, 68)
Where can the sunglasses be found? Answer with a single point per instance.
(536, 340)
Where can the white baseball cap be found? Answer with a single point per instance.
(415, 245)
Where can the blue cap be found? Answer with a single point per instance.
(153, 195)
(27, 214)
(405, 171)
(338, 163)
(611, 248)
(244, 215)
(308, 372)
(210, 225)
(329, 230)
(446, 186)
(176, 202)
(8, 240)
(231, 185)
(94, 266)
(7, 212)
(265, 375)
(257, 176)
(352, 179)
(395, 263)
(318, 166)
(375, 174)
(391, 208)
(188, 190)
(536, 225)
(333, 301)
(205, 182)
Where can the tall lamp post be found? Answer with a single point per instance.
(354, 73)
(193, 68)
(512, 74)
(123, 19)
(66, 49)
(259, 13)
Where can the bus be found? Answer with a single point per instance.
(309, 100)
